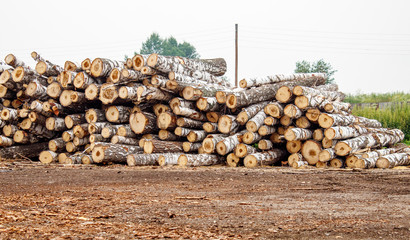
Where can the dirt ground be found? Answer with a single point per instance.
(121, 202)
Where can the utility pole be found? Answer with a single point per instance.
(236, 55)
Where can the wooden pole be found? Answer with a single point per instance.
(236, 55)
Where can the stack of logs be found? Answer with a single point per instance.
(164, 110)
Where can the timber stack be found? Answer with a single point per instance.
(165, 110)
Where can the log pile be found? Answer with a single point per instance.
(165, 110)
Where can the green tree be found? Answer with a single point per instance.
(168, 47)
(319, 66)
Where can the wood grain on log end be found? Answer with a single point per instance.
(310, 151)
(232, 160)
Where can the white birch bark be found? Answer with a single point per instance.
(247, 83)
(196, 160)
(228, 144)
(292, 134)
(250, 111)
(393, 160)
(265, 158)
(256, 122)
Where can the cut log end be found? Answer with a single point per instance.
(251, 126)
(208, 145)
(336, 163)
(302, 102)
(383, 163)
(293, 146)
(342, 149)
(284, 94)
(115, 75)
(250, 161)
(213, 117)
(224, 124)
(243, 83)
(242, 118)
(41, 67)
(96, 67)
(182, 160)
(325, 121)
(152, 60)
(310, 151)
(324, 156)
(220, 97)
(231, 101)
(221, 148)
(273, 110)
(232, 160)
(148, 147)
(98, 154)
(47, 157)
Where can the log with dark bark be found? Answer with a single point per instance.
(56, 145)
(115, 153)
(23, 151)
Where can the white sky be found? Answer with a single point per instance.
(368, 42)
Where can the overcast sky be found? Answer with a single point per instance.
(368, 42)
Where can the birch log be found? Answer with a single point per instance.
(227, 124)
(101, 67)
(256, 122)
(265, 158)
(241, 150)
(247, 83)
(196, 160)
(293, 134)
(228, 144)
(389, 137)
(393, 160)
(115, 153)
(158, 146)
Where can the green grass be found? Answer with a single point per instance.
(378, 97)
(393, 117)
